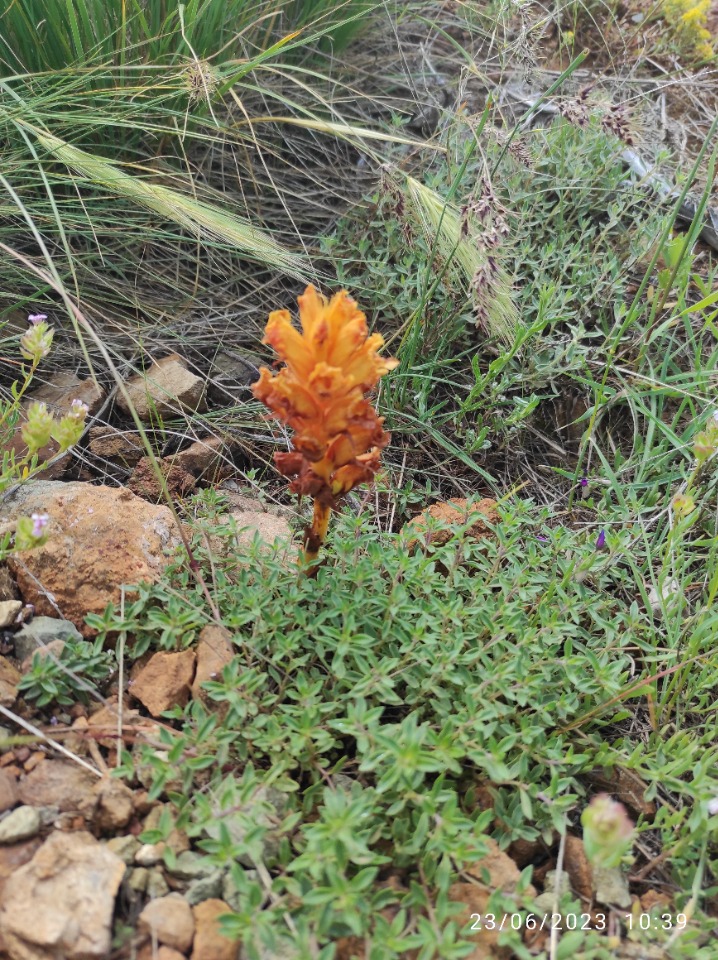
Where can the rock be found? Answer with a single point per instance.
(232, 374)
(165, 681)
(206, 888)
(40, 632)
(156, 884)
(163, 953)
(124, 847)
(269, 527)
(627, 787)
(88, 554)
(191, 866)
(209, 944)
(119, 446)
(149, 854)
(496, 870)
(452, 514)
(611, 886)
(8, 791)
(63, 387)
(8, 587)
(53, 649)
(166, 388)
(60, 904)
(9, 679)
(170, 920)
(546, 901)
(144, 482)
(22, 824)
(13, 856)
(113, 805)
(9, 610)
(207, 460)
(59, 783)
(578, 868)
(138, 879)
(48, 815)
(484, 940)
(214, 651)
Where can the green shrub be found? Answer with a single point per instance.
(367, 710)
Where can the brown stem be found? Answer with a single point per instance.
(316, 534)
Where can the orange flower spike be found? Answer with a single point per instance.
(321, 394)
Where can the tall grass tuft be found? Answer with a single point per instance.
(470, 251)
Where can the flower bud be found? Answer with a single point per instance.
(31, 531)
(68, 431)
(683, 505)
(35, 343)
(37, 432)
(607, 831)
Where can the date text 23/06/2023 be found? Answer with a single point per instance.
(574, 921)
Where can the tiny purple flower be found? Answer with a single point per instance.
(78, 409)
(54, 721)
(36, 318)
(39, 522)
(584, 481)
(601, 541)
(542, 539)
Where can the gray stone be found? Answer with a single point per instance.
(611, 886)
(124, 847)
(41, 631)
(206, 888)
(138, 879)
(191, 866)
(21, 824)
(48, 815)
(149, 854)
(157, 886)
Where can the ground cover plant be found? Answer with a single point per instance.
(485, 731)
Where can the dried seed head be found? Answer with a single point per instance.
(200, 80)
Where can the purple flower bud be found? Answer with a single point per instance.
(542, 539)
(39, 522)
(78, 409)
(584, 481)
(36, 318)
(601, 541)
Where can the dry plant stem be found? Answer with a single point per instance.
(316, 534)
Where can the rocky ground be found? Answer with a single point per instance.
(70, 860)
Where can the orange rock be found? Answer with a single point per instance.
(214, 652)
(162, 953)
(165, 681)
(145, 484)
(209, 944)
(578, 868)
(451, 514)
(496, 870)
(170, 919)
(99, 538)
(484, 940)
(652, 898)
